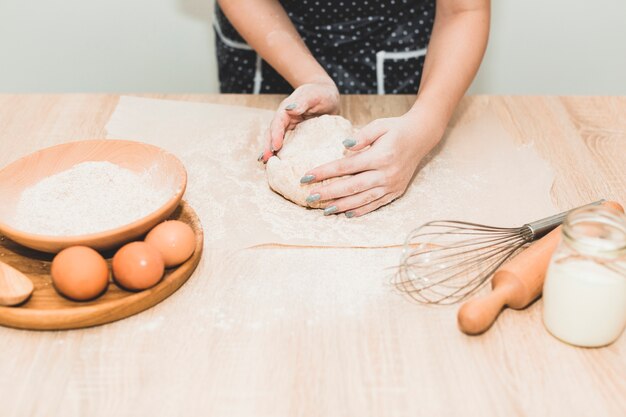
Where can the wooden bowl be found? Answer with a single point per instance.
(47, 310)
(168, 170)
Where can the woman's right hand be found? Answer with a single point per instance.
(308, 100)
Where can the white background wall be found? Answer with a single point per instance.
(536, 47)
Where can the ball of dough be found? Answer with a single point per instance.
(312, 143)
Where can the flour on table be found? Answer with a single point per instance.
(312, 143)
(90, 197)
(478, 173)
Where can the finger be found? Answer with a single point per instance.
(346, 186)
(263, 155)
(278, 126)
(351, 203)
(352, 164)
(303, 101)
(366, 136)
(374, 205)
(300, 106)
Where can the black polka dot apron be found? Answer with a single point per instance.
(366, 46)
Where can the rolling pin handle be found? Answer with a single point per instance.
(476, 316)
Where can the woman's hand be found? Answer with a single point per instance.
(382, 172)
(308, 100)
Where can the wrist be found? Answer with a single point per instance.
(429, 117)
(315, 76)
(435, 106)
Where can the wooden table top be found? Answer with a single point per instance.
(247, 337)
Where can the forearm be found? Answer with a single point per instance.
(267, 28)
(456, 48)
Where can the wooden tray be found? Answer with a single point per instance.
(47, 310)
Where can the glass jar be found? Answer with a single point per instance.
(585, 288)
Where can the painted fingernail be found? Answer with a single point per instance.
(348, 143)
(330, 210)
(291, 106)
(307, 179)
(260, 156)
(313, 198)
(350, 214)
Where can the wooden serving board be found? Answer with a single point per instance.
(47, 310)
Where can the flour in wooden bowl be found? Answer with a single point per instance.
(90, 197)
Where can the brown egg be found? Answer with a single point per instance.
(175, 241)
(79, 273)
(137, 266)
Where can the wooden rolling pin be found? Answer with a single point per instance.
(515, 284)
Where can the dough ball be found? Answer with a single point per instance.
(312, 143)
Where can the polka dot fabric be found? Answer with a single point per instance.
(345, 37)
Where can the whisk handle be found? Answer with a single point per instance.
(535, 230)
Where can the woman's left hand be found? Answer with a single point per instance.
(380, 173)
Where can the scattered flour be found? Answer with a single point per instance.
(90, 197)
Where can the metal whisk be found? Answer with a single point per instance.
(445, 261)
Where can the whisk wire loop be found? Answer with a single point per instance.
(446, 261)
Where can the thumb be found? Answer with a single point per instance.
(300, 103)
(366, 136)
(278, 127)
(289, 114)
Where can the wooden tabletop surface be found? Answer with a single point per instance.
(276, 332)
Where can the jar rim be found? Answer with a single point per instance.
(579, 222)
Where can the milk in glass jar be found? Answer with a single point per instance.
(585, 288)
